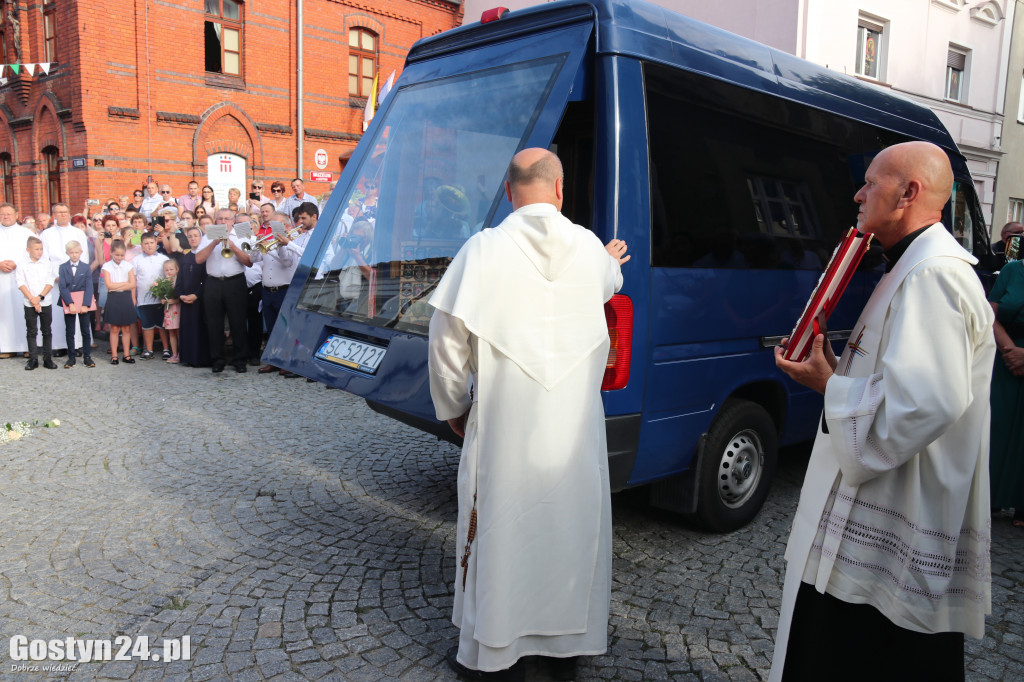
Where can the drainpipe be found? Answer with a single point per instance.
(299, 123)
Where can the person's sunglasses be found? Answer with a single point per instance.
(277, 191)
(138, 196)
(165, 191)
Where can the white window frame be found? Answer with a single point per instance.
(1020, 101)
(881, 27)
(954, 54)
(1015, 210)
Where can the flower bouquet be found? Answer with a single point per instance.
(163, 288)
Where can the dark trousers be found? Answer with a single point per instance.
(841, 642)
(254, 321)
(45, 318)
(272, 301)
(225, 297)
(69, 334)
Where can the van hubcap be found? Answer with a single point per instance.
(740, 467)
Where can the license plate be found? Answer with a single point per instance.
(350, 353)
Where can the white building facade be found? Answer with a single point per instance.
(950, 55)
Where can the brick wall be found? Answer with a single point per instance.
(130, 95)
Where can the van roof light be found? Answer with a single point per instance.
(493, 14)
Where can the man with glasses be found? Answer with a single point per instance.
(298, 197)
(188, 202)
(1009, 230)
(256, 196)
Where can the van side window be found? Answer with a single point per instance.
(740, 179)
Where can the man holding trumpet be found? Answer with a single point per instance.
(225, 291)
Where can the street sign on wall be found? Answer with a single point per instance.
(321, 176)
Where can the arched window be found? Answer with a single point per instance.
(8, 177)
(52, 163)
(362, 61)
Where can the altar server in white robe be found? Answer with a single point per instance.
(518, 346)
(13, 240)
(55, 239)
(888, 560)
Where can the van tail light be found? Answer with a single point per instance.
(619, 314)
(493, 14)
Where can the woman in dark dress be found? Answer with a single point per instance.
(192, 338)
(1006, 463)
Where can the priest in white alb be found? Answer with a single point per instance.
(888, 560)
(518, 347)
(13, 240)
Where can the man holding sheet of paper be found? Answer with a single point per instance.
(888, 559)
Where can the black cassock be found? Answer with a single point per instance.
(193, 344)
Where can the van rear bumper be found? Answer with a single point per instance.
(623, 437)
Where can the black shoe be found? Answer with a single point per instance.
(564, 668)
(310, 381)
(78, 352)
(241, 369)
(89, 362)
(60, 353)
(31, 364)
(517, 673)
(49, 364)
(128, 360)
(69, 364)
(217, 369)
(113, 360)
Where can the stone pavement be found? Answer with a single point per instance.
(292, 533)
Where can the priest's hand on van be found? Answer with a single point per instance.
(616, 248)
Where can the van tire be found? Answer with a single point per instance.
(737, 466)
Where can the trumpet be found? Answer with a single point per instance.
(268, 243)
(226, 251)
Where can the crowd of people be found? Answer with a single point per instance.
(141, 268)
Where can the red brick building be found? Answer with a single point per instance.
(173, 88)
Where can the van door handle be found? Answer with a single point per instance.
(772, 341)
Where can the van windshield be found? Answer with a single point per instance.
(432, 177)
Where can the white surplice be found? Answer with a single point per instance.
(894, 510)
(13, 241)
(55, 239)
(520, 318)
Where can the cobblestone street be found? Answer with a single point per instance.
(292, 533)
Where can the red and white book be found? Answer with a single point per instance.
(826, 294)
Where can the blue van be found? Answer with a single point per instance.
(728, 167)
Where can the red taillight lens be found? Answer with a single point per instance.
(619, 314)
(493, 14)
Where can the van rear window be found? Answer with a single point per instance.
(433, 176)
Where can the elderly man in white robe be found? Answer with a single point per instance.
(13, 240)
(55, 239)
(518, 346)
(888, 560)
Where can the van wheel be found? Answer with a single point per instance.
(737, 466)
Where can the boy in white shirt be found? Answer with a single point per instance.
(149, 267)
(35, 278)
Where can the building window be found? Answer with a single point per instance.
(956, 75)
(8, 177)
(362, 61)
(870, 48)
(49, 32)
(224, 37)
(1015, 211)
(52, 176)
(1020, 103)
